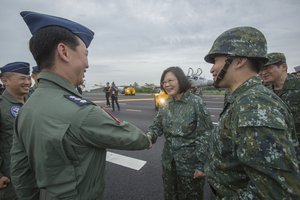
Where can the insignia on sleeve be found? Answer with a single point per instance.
(14, 110)
(113, 117)
(78, 101)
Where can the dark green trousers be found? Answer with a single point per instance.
(181, 187)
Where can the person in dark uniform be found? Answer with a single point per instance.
(107, 94)
(60, 138)
(114, 92)
(15, 76)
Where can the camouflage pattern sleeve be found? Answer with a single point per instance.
(156, 129)
(204, 130)
(269, 161)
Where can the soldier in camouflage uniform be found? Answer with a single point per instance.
(286, 86)
(251, 152)
(297, 71)
(186, 125)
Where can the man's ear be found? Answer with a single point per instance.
(240, 62)
(284, 67)
(4, 80)
(63, 52)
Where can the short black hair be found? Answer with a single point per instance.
(43, 43)
(184, 84)
(256, 64)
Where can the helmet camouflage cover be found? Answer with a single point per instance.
(240, 41)
(274, 58)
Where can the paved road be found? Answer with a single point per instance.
(123, 183)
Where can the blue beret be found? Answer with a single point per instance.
(35, 69)
(17, 67)
(36, 21)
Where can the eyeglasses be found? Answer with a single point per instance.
(168, 81)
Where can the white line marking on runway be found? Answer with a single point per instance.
(133, 110)
(125, 161)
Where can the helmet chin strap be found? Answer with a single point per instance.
(223, 71)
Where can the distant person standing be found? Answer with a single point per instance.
(107, 94)
(114, 96)
(15, 76)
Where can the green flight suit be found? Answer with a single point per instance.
(251, 152)
(9, 107)
(187, 126)
(60, 143)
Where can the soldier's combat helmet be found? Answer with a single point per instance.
(240, 41)
(274, 58)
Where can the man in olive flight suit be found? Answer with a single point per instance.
(60, 138)
(285, 85)
(15, 76)
(251, 152)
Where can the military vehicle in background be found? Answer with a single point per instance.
(129, 90)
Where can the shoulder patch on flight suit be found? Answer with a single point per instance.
(77, 100)
(14, 110)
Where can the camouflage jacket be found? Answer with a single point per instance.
(251, 150)
(186, 125)
(290, 94)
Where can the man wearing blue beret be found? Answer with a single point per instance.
(61, 145)
(15, 76)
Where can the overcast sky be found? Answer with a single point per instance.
(135, 40)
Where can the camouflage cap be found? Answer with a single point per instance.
(240, 41)
(297, 68)
(274, 58)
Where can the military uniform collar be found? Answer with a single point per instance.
(243, 87)
(184, 97)
(9, 97)
(58, 80)
(290, 82)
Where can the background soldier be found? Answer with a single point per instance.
(297, 71)
(107, 94)
(15, 76)
(60, 139)
(252, 154)
(114, 93)
(286, 86)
